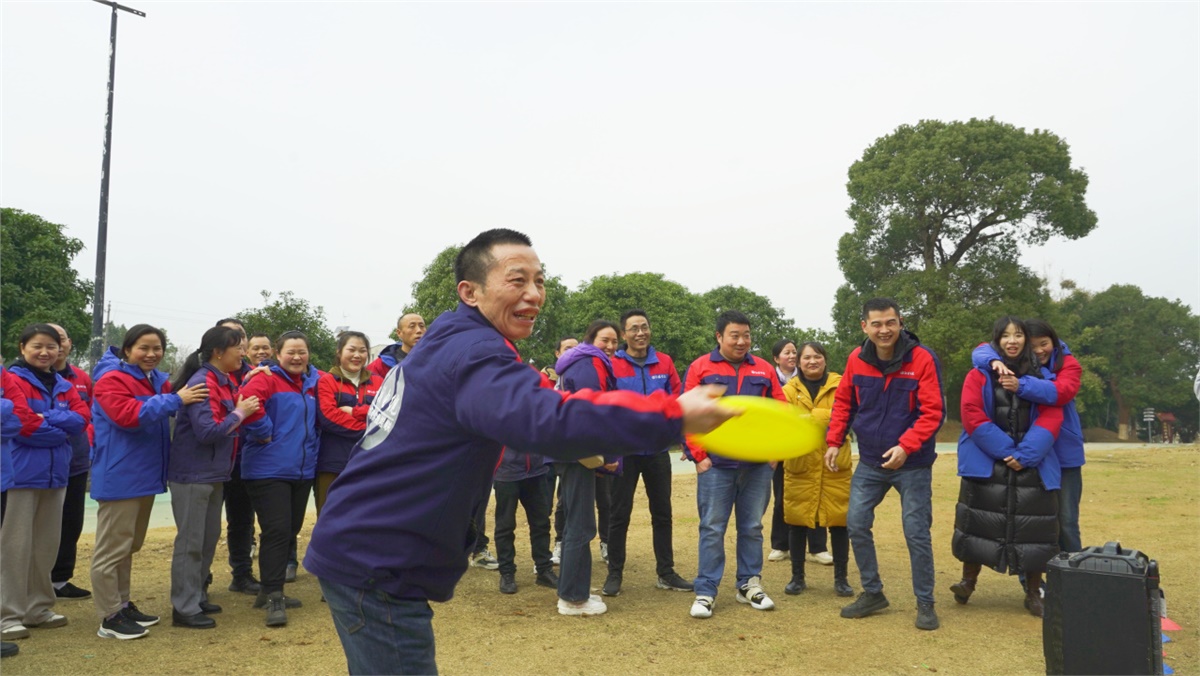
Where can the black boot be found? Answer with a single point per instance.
(840, 586)
(797, 585)
(1033, 597)
(966, 586)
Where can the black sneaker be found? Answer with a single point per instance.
(70, 591)
(842, 588)
(926, 618)
(264, 599)
(290, 574)
(508, 583)
(672, 582)
(612, 585)
(547, 578)
(9, 649)
(245, 585)
(276, 613)
(121, 627)
(131, 611)
(866, 603)
(795, 586)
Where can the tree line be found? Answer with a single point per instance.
(939, 211)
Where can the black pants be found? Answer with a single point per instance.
(479, 527)
(656, 470)
(280, 505)
(531, 493)
(72, 527)
(838, 537)
(779, 528)
(239, 514)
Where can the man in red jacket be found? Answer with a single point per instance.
(891, 394)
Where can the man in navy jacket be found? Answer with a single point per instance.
(393, 534)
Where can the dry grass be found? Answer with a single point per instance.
(1144, 498)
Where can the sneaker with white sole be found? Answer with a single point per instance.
(778, 555)
(604, 551)
(702, 607)
(556, 555)
(131, 611)
(14, 632)
(485, 560)
(55, 620)
(594, 605)
(752, 593)
(119, 626)
(823, 558)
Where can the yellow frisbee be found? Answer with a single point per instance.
(768, 429)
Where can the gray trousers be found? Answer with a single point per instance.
(29, 540)
(197, 509)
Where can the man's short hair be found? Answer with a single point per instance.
(475, 259)
(230, 320)
(259, 334)
(401, 319)
(730, 317)
(879, 305)
(635, 312)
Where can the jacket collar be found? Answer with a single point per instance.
(716, 355)
(222, 378)
(651, 356)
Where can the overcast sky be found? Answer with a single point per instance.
(333, 149)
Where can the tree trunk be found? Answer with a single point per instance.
(1122, 411)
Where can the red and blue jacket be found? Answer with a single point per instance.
(390, 356)
(1058, 387)
(81, 444)
(587, 367)
(656, 374)
(42, 450)
(202, 451)
(983, 442)
(398, 518)
(903, 404)
(341, 430)
(280, 439)
(131, 415)
(753, 377)
(10, 425)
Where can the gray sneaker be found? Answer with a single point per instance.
(866, 603)
(276, 614)
(926, 618)
(674, 582)
(485, 560)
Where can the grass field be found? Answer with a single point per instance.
(1146, 498)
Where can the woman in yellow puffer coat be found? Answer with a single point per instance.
(812, 495)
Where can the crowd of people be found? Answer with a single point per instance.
(258, 429)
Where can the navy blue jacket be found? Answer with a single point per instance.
(398, 518)
(205, 440)
(81, 443)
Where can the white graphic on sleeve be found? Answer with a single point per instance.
(385, 409)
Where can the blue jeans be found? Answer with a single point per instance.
(867, 489)
(1068, 509)
(578, 500)
(380, 633)
(746, 491)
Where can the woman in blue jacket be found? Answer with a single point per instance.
(41, 455)
(586, 367)
(279, 461)
(202, 455)
(132, 410)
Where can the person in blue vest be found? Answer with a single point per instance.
(393, 535)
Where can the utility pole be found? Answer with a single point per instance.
(102, 235)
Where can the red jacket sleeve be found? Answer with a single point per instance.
(331, 417)
(845, 405)
(933, 405)
(674, 384)
(118, 401)
(692, 451)
(973, 414)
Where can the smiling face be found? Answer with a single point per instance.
(146, 353)
(240, 329)
(410, 329)
(512, 295)
(227, 360)
(882, 328)
(1012, 341)
(606, 340)
(1043, 348)
(353, 356)
(41, 351)
(812, 363)
(293, 356)
(786, 361)
(637, 334)
(260, 350)
(734, 341)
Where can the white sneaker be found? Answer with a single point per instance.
(604, 551)
(702, 607)
(823, 558)
(752, 593)
(778, 555)
(592, 606)
(485, 560)
(556, 555)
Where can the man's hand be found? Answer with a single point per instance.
(255, 371)
(831, 459)
(893, 458)
(700, 410)
(703, 466)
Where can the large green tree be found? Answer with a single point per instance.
(939, 211)
(681, 321)
(1145, 349)
(37, 282)
(286, 312)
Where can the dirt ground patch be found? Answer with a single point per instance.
(1145, 498)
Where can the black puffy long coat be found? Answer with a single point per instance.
(1008, 522)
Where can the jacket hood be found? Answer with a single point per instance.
(904, 344)
(389, 354)
(111, 361)
(579, 353)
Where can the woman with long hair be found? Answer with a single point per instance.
(202, 457)
(279, 461)
(587, 366)
(41, 456)
(131, 418)
(814, 496)
(1008, 470)
(344, 396)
